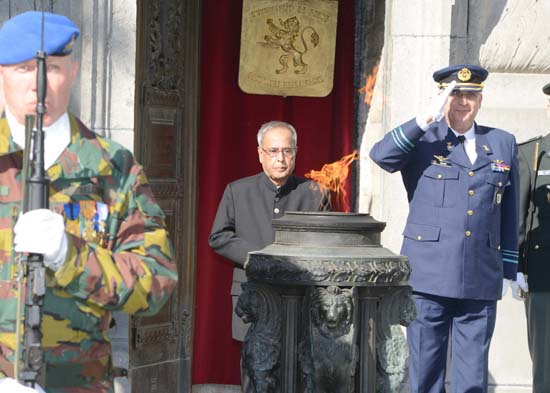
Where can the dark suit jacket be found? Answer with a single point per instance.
(460, 235)
(247, 208)
(243, 222)
(534, 213)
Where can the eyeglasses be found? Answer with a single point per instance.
(288, 152)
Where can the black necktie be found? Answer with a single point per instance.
(461, 140)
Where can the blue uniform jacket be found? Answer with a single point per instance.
(461, 235)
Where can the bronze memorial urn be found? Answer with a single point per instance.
(326, 302)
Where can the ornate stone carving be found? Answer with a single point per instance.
(166, 45)
(147, 335)
(260, 306)
(328, 352)
(347, 285)
(395, 310)
(282, 269)
(516, 39)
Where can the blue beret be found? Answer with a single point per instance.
(20, 36)
(467, 77)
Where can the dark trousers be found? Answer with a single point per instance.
(469, 324)
(537, 308)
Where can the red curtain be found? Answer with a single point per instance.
(229, 121)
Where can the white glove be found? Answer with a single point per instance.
(505, 284)
(518, 286)
(434, 111)
(10, 385)
(42, 231)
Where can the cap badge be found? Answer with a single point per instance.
(464, 75)
(69, 47)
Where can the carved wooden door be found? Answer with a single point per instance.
(166, 145)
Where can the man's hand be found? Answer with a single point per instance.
(519, 287)
(434, 112)
(10, 385)
(42, 231)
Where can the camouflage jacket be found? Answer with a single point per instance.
(119, 256)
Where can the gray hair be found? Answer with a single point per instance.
(274, 124)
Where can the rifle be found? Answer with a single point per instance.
(36, 195)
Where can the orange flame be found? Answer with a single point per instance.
(333, 177)
(368, 89)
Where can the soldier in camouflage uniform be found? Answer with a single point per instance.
(104, 239)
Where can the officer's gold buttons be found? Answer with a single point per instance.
(471, 173)
(470, 212)
(471, 192)
(536, 247)
(419, 237)
(439, 176)
(276, 210)
(499, 184)
(468, 233)
(498, 247)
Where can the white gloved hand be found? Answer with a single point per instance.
(434, 111)
(518, 286)
(505, 284)
(42, 231)
(10, 385)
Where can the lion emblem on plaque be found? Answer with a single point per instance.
(288, 47)
(285, 38)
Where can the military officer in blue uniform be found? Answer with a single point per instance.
(461, 235)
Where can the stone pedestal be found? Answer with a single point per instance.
(326, 302)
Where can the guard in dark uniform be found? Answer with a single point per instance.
(534, 261)
(460, 237)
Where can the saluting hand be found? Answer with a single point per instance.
(434, 112)
(42, 231)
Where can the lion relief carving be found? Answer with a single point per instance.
(332, 311)
(284, 37)
(328, 350)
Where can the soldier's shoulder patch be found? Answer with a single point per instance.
(534, 139)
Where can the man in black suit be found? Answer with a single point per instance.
(243, 222)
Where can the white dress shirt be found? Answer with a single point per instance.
(469, 143)
(57, 136)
